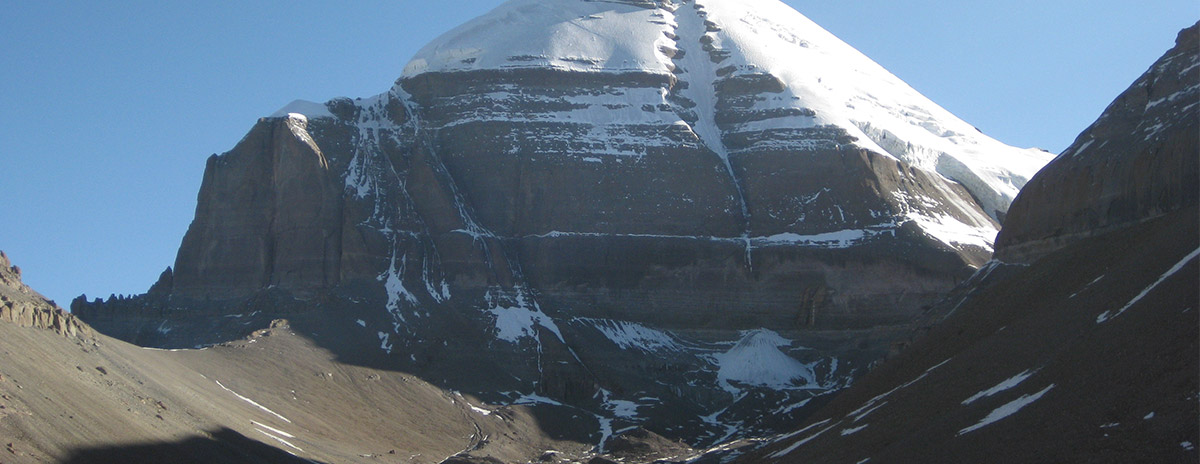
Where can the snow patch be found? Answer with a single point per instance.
(631, 335)
(838, 239)
(515, 323)
(861, 414)
(479, 410)
(854, 430)
(1002, 386)
(275, 430)
(793, 434)
(570, 36)
(1170, 272)
(1006, 410)
(533, 399)
(1085, 287)
(798, 444)
(874, 403)
(278, 439)
(383, 343)
(954, 232)
(757, 360)
(396, 291)
(248, 400)
(623, 408)
(1083, 147)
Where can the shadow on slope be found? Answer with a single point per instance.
(221, 445)
(1088, 355)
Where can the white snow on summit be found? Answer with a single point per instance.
(840, 85)
(845, 88)
(567, 35)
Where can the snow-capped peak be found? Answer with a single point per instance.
(567, 35)
(830, 82)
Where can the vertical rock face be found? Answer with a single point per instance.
(555, 195)
(1138, 161)
(269, 213)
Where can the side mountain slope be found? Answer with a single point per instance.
(1086, 349)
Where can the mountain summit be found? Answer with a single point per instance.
(748, 74)
(559, 194)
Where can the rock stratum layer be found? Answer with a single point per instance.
(586, 189)
(24, 307)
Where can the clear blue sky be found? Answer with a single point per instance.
(109, 109)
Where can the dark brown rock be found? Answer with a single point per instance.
(1140, 160)
(269, 213)
(641, 445)
(165, 283)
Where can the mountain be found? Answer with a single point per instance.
(1084, 350)
(621, 206)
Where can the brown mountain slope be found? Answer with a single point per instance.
(274, 397)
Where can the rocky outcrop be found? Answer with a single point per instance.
(24, 307)
(1138, 161)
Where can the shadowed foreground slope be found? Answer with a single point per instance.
(1041, 367)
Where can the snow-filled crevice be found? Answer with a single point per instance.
(483, 237)
(373, 178)
(697, 73)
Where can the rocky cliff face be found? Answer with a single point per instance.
(553, 196)
(24, 307)
(1136, 162)
(269, 214)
